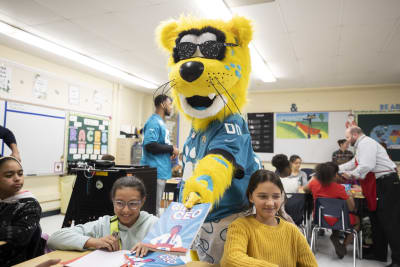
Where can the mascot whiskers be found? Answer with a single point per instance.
(209, 71)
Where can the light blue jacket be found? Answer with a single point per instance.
(75, 237)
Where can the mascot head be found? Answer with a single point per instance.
(209, 66)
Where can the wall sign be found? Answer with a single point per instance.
(389, 107)
(261, 127)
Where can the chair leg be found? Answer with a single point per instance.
(314, 239)
(355, 245)
(304, 230)
(360, 255)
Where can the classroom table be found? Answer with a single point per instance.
(69, 255)
(3, 243)
(57, 254)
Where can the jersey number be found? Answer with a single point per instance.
(233, 129)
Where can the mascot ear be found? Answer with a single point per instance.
(242, 29)
(166, 34)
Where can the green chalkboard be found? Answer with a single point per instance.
(384, 128)
(87, 137)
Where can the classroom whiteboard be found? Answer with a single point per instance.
(39, 132)
(311, 150)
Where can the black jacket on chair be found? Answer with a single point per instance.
(20, 228)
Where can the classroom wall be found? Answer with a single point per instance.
(356, 98)
(128, 107)
(325, 99)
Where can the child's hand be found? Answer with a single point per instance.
(346, 175)
(356, 187)
(107, 242)
(140, 250)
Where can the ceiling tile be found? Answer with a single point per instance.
(274, 47)
(108, 26)
(360, 38)
(27, 11)
(394, 41)
(369, 12)
(322, 67)
(350, 79)
(154, 69)
(329, 81)
(127, 5)
(266, 19)
(299, 39)
(315, 42)
(367, 63)
(73, 36)
(73, 8)
(306, 14)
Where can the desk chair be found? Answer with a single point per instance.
(36, 244)
(308, 171)
(332, 213)
(295, 206)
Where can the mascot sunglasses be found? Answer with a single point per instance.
(209, 49)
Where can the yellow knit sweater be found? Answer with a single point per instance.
(250, 243)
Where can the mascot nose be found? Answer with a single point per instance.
(191, 70)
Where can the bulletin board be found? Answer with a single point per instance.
(384, 127)
(261, 128)
(87, 137)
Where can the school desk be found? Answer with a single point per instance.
(69, 255)
(57, 254)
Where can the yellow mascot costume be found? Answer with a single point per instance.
(209, 71)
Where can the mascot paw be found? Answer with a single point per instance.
(192, 200)
(212, 176)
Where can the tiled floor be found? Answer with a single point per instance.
(326, 256)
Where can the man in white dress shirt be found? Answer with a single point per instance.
(372, 160)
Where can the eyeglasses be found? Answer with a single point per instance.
(132, 205)
(209, 49)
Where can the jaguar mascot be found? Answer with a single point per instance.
(209, 71)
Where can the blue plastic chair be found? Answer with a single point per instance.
(295, 206)
(308, 171)
(332, 213)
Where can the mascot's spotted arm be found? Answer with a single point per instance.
(209, 74)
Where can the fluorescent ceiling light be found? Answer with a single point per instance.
(219, 10)
(260, 67)
(48, 46)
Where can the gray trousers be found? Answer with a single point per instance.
(160, 191)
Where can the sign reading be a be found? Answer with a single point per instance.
(389, 107)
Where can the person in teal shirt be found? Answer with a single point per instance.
(157, 148)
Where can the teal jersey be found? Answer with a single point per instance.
(155, 131)
(231, 136)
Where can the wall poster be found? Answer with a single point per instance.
(87, 137)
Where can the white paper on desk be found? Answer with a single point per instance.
(101, 258)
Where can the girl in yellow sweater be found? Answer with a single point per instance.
(265, 239)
